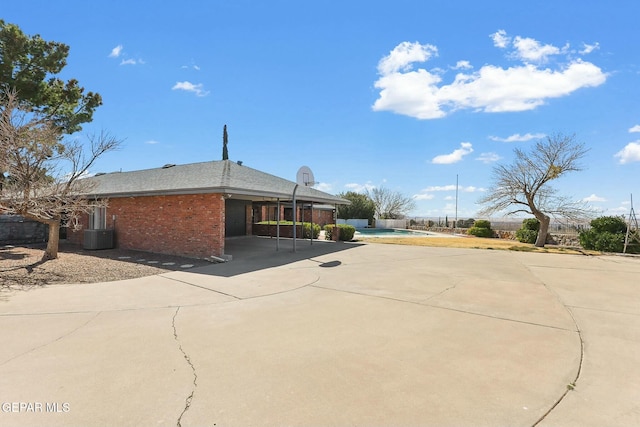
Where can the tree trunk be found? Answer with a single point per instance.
(54, 240)
(544, 230)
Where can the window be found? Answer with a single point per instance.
(98, 219)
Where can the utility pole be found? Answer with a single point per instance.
(455, 224)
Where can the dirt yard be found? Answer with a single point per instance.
(21, 266)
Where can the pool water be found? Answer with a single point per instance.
(390, 232)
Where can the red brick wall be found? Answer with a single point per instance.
(321, 217)
(187, 225)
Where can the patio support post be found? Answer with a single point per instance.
(278, 226)
(294, 216)
(311, 230)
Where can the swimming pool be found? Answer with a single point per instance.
(390, 232)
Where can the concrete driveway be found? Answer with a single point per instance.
(335, 334)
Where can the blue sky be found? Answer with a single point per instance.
(402, 94)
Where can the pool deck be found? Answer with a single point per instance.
(399, 232)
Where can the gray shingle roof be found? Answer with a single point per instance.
(223, 176)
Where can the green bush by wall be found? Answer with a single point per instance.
(481, 228)
(480, 231)
(306, 230)
(528, 233)
(482, 223)
(346, 231)
(607, 234)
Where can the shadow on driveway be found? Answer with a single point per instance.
(253, 253)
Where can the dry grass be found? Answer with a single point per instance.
(470, 242)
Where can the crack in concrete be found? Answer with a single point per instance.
(444, 291)
(572, 385)
(53, 341)
(201, 287)
(457, 310)
(189, 398)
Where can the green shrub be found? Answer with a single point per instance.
(611, 224)
(602, 241)
(482, 223)
(526, 236)
(328, 231)
(346, 231)
(306, 230)
(529, 231)
(531, 224)
(607, 234)
(480, 231)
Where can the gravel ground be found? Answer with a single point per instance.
(21, 266)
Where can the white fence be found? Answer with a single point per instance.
(391, 223)
(357, 223)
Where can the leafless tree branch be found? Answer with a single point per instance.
(40, 173)
(524, 185)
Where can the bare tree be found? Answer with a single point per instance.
(390, 204)
(524, 185)
(41, 172)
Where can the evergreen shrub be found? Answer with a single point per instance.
(607, 234)
(528, 233)
(346, 231)
(481, 228)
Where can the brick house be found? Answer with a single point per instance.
(190, 209)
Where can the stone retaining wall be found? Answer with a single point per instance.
(553, 239)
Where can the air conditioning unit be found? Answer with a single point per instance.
(98, 239)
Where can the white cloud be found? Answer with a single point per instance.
(516, 137)
(462, 65)
(452, 187)
(472, 189)
(588, 48)
(634, 129)
(359, 188)
(116, 51)
(617, 211)
(152, 142)
(594, 198)
(488, 157)
(421, 93)
(190, 87)
(323, 186)
(530, 50)
(403, 55)
(500, 39)
(630, 153)
(455, 156)
(423, 196)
